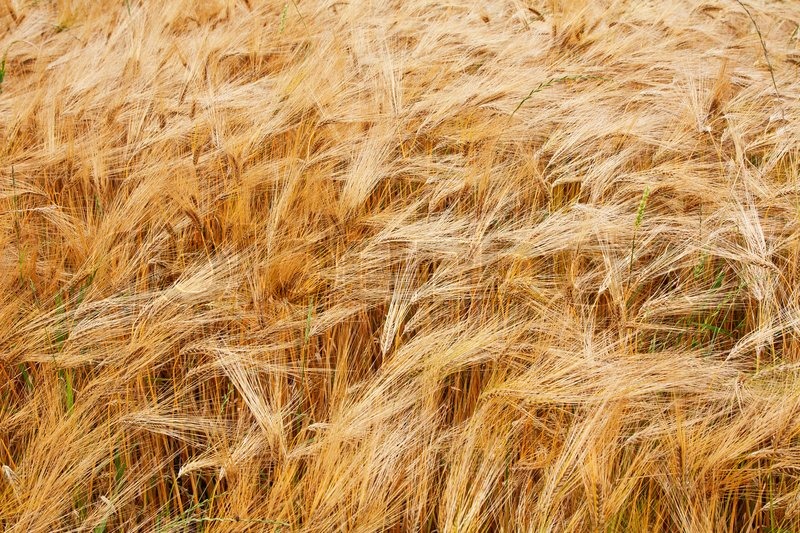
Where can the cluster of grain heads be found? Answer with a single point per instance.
(399, 266)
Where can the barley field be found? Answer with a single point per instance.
(400, 265)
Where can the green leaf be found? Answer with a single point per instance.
(718, 281)
(119, 469)
(69, 393)
(26, 377)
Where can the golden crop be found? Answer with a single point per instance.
(401, 265)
